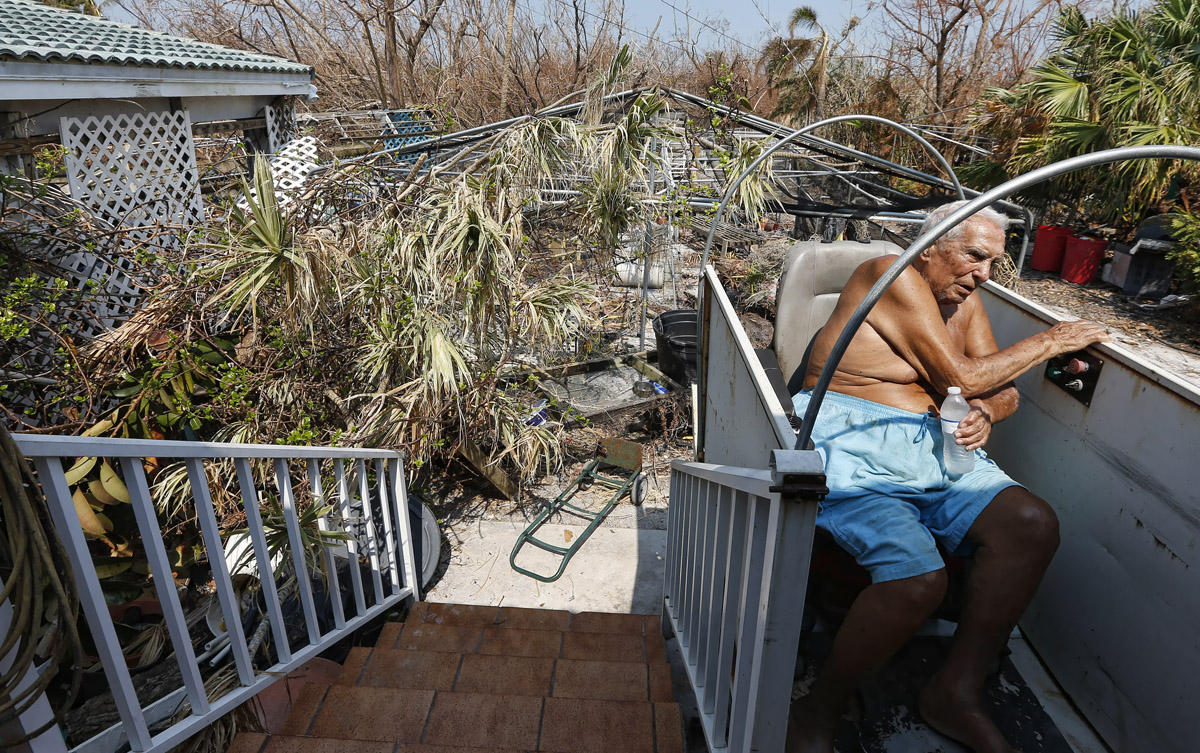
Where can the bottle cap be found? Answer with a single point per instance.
(953, 390)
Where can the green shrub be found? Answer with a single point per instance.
(1185, 226)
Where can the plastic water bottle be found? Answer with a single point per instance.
(958, 459)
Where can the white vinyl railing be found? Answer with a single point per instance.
(370, 506)
(739, 542)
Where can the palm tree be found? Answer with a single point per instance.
(1132, 78)
(798, 68)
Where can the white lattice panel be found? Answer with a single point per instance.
(290, 168)
(134, 171)
(281, 123)
(292, 164)
(116, 289)
(53, 231)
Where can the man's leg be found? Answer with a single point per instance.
(880, 620)
(1017, 535)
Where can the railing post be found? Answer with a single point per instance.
(412, 575)
(798, 477)
(91, 600)
(39, 712)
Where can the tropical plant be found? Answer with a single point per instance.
(797, 68)
(611, 207)
(261, 256)
(446, 304)
(314, 541)
(164, 394)
(614, 197)
(1185, 226)
(599, 87)
(757, 190)
(1129, 79)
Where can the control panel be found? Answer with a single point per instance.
(1076, 374)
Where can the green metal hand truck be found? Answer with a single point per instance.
(613, 452)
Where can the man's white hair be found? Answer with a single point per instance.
(987, 214)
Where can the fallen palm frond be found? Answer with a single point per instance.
(219, 734)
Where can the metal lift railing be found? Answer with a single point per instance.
(739, 542)
(738, 545)
(369, 506)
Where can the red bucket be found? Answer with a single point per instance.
(1082, 258)
(1048, 247)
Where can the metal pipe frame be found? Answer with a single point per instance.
(793, 136)
(929, 238)
(478, 132)
(762, 125)
(816, 143)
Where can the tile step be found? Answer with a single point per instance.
(534, 619)
(493, 639)
(367, 719)
(540, 676)
(459, 678)
(252, 742)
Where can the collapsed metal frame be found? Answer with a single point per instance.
(459, 147)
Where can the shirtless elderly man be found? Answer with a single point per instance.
(890, 498)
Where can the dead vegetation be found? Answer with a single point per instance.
(388, 304)
(480, 61)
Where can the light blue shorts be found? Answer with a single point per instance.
(890, 499)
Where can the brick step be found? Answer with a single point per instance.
(334, 715)
(257, 742)
(501, 641)
(470, 615)
(508, 674)
(467, 679)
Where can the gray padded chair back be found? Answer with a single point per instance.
(813, 277)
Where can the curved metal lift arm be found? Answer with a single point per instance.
(793, 136)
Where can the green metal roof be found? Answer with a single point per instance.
(32, 31)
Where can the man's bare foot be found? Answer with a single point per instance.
(959, 715)
(811, 726)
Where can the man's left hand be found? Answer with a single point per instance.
(973, 431)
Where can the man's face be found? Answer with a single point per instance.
(954, 268)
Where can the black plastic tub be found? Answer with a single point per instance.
(676, 338)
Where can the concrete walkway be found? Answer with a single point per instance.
(618, 569)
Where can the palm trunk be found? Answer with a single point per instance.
(504, 74)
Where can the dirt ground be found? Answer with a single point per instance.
(1178, 327)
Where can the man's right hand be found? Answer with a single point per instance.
(1068, 337)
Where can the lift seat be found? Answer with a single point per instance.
(813, 277)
